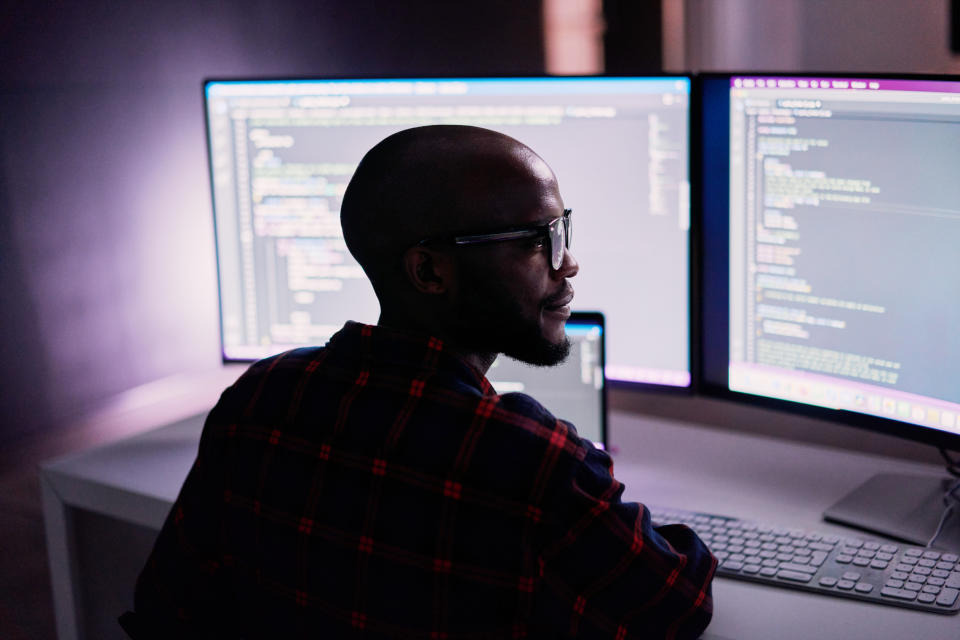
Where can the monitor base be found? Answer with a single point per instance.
(905, 507)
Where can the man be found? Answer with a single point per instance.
(379, 487)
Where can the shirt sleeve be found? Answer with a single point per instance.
(607, 572)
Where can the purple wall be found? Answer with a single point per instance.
(107, 266)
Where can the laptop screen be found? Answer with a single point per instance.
(573, 390)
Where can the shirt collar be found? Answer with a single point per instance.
(407, 350)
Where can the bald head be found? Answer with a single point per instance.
(431, 182)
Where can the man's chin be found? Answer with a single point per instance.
(542, 352)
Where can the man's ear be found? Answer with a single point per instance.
(429, 271)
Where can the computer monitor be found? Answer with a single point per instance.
(573, 390)
(283, 151)
(831, 257)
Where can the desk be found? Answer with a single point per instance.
(103, 507)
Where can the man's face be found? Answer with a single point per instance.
(509, 299)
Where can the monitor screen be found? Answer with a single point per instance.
(574, 390)
(283, 151)
(832, 246)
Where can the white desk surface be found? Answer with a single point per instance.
(661, 462)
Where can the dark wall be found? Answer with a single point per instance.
(107, 266)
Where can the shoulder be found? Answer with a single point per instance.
(541, 426)
(270, 381)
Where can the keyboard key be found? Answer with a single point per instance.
(946, 566)
(931, 555)
(889, 548)
(802, 568)
(817, 558)
(856, 543)
(796, 576)
(913, 586)
(768, 572)
(922, 571)
(899, 594)
(947, 597)
(879, 564)
(950, 557)
(894, 583)
(899, 575)
(820, 546)
(930, 589)
(914, 551)
(883, 555)
(861, 562)
(940, 573)
(872, 546)
(954, 581)
(926, 562)
(864, 587)
(908, 560)
(828, 581)
(926, 598)
(936, 582)
(846, 585)
(731, 565)
(751, 568)
(844, 559)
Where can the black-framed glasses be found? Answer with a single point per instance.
(557, 231)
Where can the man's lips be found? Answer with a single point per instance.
(560, 300)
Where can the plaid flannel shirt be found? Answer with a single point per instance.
(379, 487)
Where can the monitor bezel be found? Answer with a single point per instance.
(713, 151)
(692, 232)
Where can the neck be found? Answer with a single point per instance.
(479, 360)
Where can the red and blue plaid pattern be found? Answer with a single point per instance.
(379, 487)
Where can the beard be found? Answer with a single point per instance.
(491, 320)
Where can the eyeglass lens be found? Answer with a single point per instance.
(560, 233)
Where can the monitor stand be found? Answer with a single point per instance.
(905, 507)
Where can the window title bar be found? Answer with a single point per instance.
(844, 84)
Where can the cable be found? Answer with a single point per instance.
(953, 465)
(950, 500)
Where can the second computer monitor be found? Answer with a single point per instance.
(282, 153)
(832, 247)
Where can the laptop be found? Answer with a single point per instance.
(574, 390)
